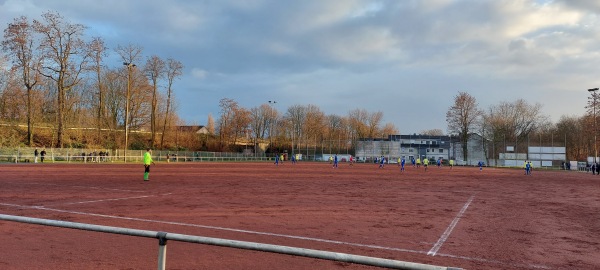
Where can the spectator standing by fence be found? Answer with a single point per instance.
(36, 153)
(42, 155)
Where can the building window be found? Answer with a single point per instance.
(441, 150)
(410, 150)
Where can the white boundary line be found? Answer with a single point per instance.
(215, 228)
(104, 200)
(448, 231)
(280, 235)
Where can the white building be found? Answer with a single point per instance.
(407, 146)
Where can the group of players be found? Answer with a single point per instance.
(401, 162)
(417, 163)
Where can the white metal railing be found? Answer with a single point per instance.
(164, 236)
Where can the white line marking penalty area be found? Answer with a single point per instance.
(448, 231)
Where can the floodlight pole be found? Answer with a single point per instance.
(129, 66)
(593, 91)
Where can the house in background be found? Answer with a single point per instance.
(192, 129)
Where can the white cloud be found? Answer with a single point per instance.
(199, 73)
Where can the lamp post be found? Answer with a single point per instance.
(593, 91)
(129, 66)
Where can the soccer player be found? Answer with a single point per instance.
(480, 164)
(418, 162)
(402, 162)
(276, 159)
(425, 163)
(147, 161)
(381, 162)
(528, 168)
(335, 161)
(451, 163)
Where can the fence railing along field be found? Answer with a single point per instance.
(164, 236)
(74, 155)
(26, 154)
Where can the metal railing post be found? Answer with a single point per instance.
(162, 250)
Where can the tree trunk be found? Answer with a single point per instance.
(29, 116)
(465, 141)
(153, 117)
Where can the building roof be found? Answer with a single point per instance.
(194, 129)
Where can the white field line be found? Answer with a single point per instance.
(448, 231)
(103, 200)
(276, 234)
(216, 228)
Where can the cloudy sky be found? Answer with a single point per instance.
(405, 58)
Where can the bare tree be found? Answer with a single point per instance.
(210, 124)
(226, 122)
(388, 129)
(296, 114)
(141, 102)
(373, 123)
(462, 118)
(13, 98)
(314, 124)
(20, 44)
(514, 120)
(130, 55)
(259, 121)
(65, 56)
(98, 52)
(113, 83)
(432, 132)
(358, 122)
(174, 70)
(240, 124)
(575, 136)
(154, 69)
